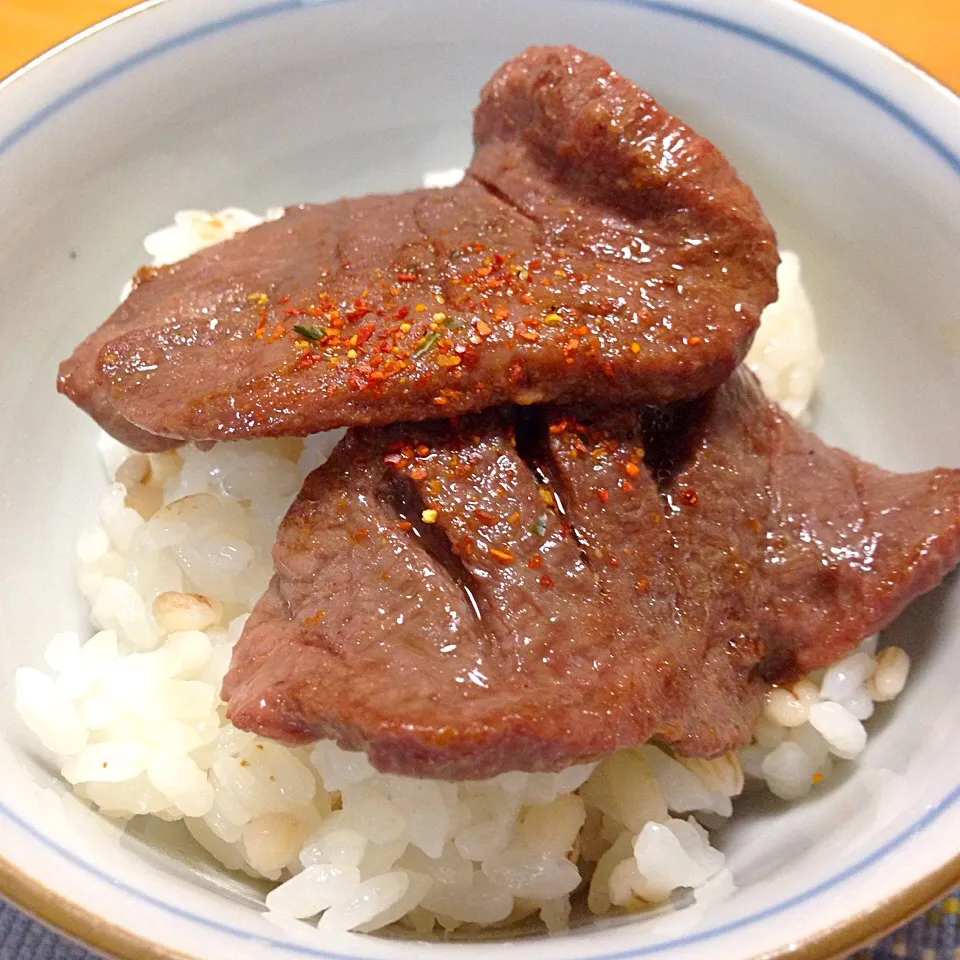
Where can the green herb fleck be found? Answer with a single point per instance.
(539, 526)
(455, 255)
(429, 342)
(309, 333)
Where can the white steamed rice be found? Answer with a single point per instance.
(177, 558)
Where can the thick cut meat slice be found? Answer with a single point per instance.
(523, 589)
(597, 249)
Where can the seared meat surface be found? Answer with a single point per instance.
(527, 588)
(597, 249)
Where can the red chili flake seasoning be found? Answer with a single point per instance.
(504, 556)
(501, 313)
(632, 469)
(604, 495)
(316, 618)
(535, 562)
(404, 525)
(626, 485)
(360, 309)
(358, 536)
(545, 580)
(526, 333)
(643, 584)
(306, 360)
(695, 341)
(484, 329)
(485, 517)
(405, 276)
(688, 497)
(364, 334)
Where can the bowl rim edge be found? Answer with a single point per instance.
(65, 917)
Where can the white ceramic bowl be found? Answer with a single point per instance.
(855, 156)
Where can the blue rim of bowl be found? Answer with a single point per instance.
(817, 63)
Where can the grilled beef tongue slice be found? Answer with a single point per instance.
(597, 249)
(531, 587)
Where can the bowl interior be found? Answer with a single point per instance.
(259, 105)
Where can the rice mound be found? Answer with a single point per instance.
(179, 555)
(785, 354)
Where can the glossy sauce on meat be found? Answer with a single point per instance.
(597, 248)
(523, 590)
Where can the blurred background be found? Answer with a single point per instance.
(924, 31)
